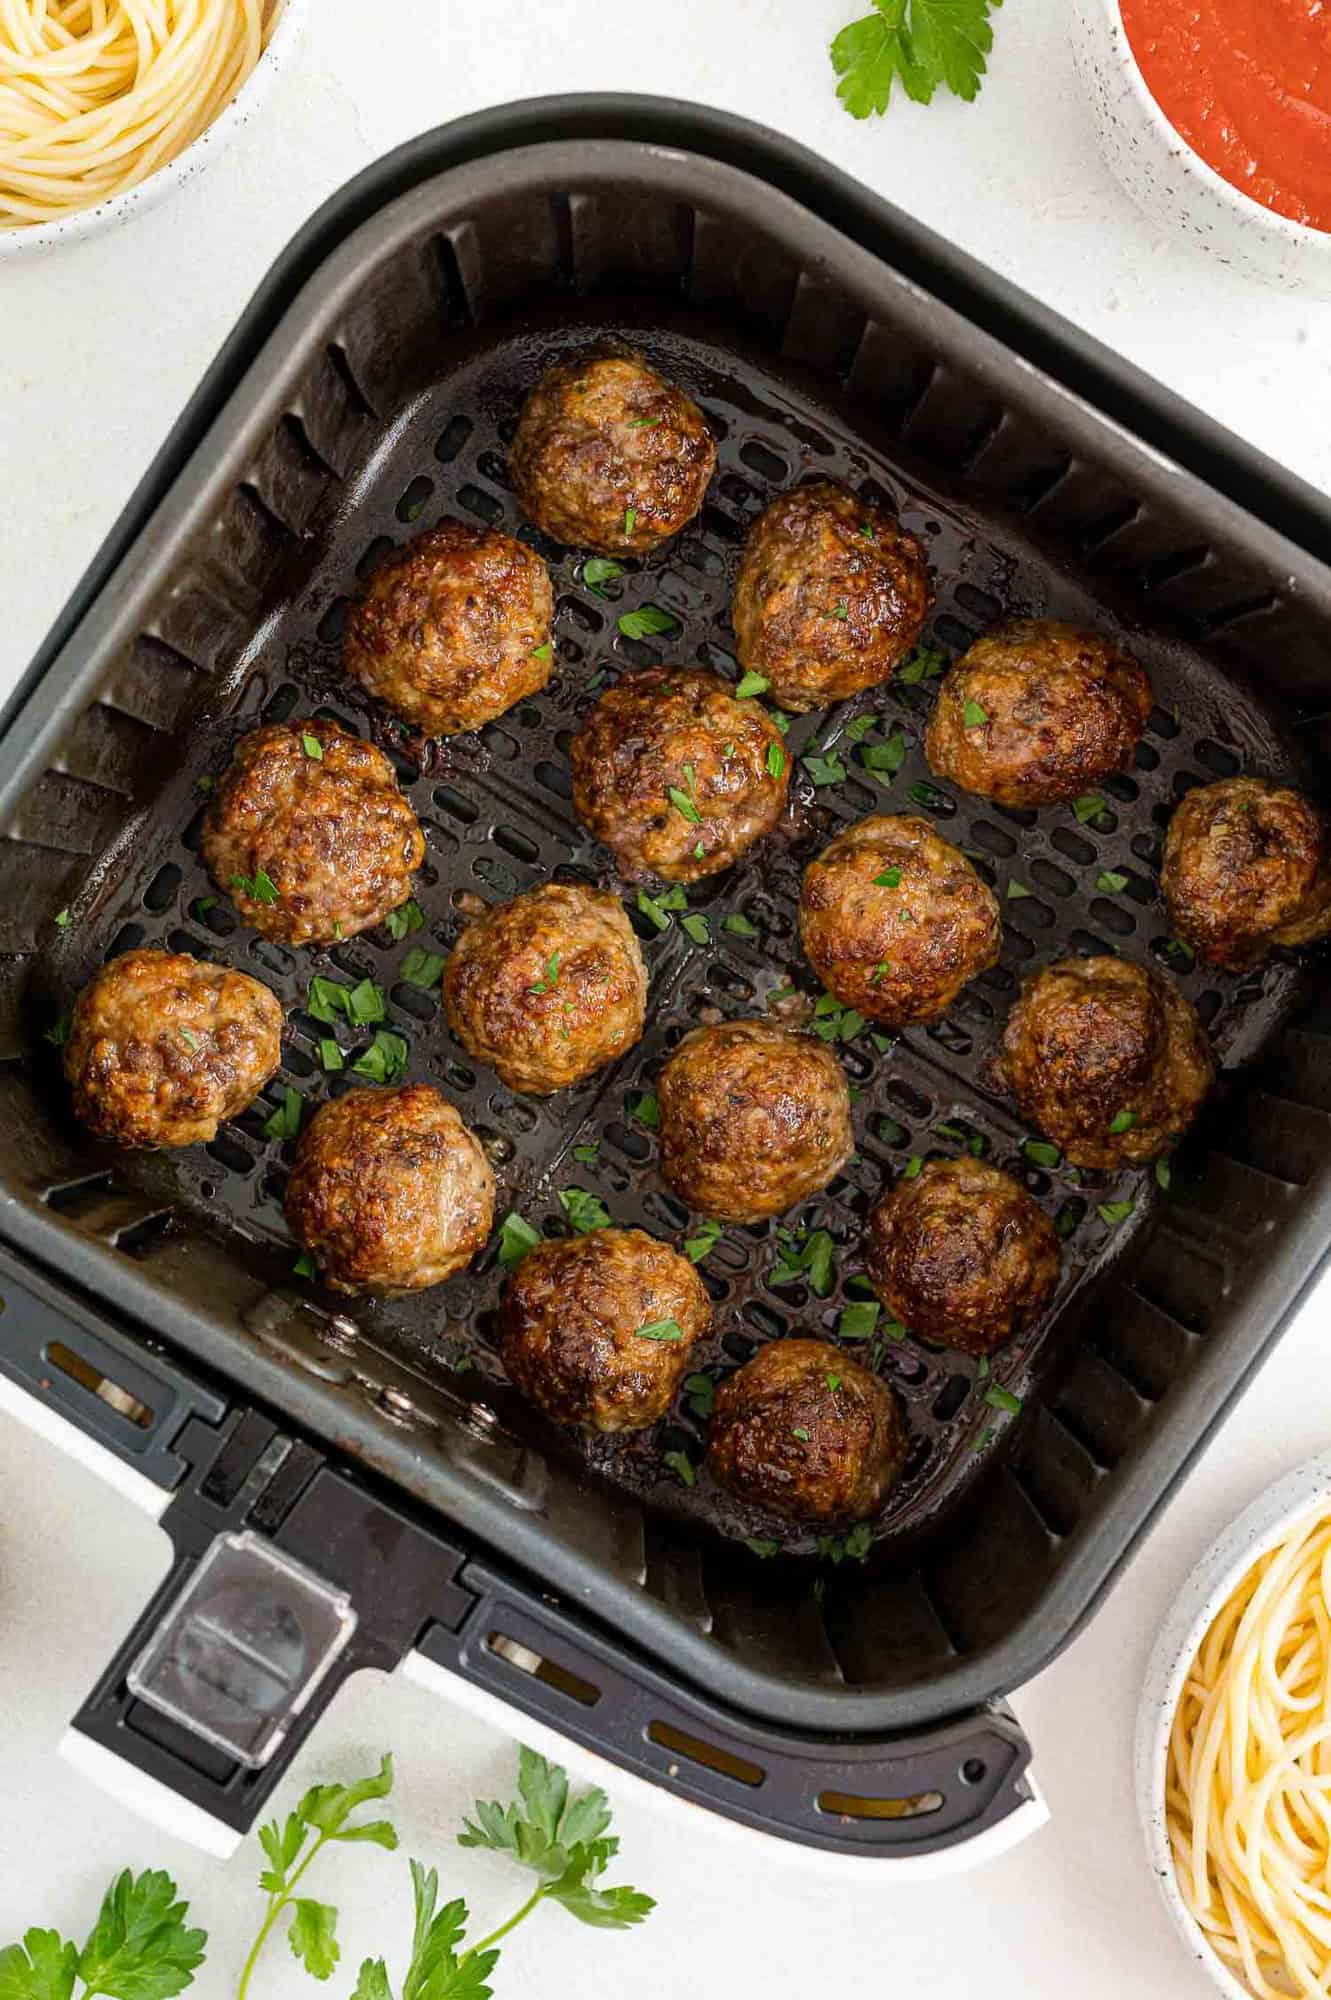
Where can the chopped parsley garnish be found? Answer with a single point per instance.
(780, 720)
(1040, 1153)
(952, 1132)
(973, 716)
(542, 652)
(1123, 1121)
(1176, 948)
(884, 760)
(386, 1058)
(840, 610)
(912, 1167)
(704, 1239)
(630, 519)
(866, 529)
(827, 770)
(516, 1238)
(365, 1004)
(833, 1382)
(659, 1329)
(423, 968)
(644, 423)
(798, 1431)
(924, 664)
(312, 746)
(696, 928)
(889, 879)
(58, 1033)
(189, 1038)
(588, 1155)
(1164, 1174)
(832, 1022)
(684, 805)
(583, 1210)
(812, 1258)
(284, 1123)
(760, 1546)
(880, 971)
(200, 906)
(739, 926)
(776, 760)
(925, 794)
(62, 919)
(681, 1465)
(859, 1321)
(656, 907)
(1114, 1212)
(859, 726)
(1016, 890)
(405, 919)
(550, 980)
(999, 1398)
(330, 1054)
(701, 1393)
(598, 570)
(645, 1109)
(260, 887)
(304, 1266)
(751, 684)
(647, 621)
(1088, 807)
(1109, 882)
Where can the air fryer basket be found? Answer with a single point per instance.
(382, 398)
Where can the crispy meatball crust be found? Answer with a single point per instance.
(753, 1119)
(609, 456)
(163, 1047)
(333, 833)
(675, 775)
(390, 1191)
(832, 594)
(1247, 868)
(570, 1325)
(548, 988)
(784, 1439)
(453, 629)
(895, 920)
(961, 1255)
(1061, 710)
(1093, 1040)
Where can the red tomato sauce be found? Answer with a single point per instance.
(1247, 83)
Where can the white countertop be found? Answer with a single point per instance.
(99, 347)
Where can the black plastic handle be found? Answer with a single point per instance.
(915, 1795)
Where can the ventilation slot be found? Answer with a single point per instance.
(549, 1672)
(92, 1379)
(852, 1805)
(710, 1755)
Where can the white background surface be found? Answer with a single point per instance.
(99, 347)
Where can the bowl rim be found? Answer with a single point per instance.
(84, 222)
(1243, 205)
(1267, 1520)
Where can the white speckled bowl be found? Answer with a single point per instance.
(195, 159)
(1167, 179)
(1303, 1491)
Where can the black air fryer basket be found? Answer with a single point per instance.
(363, 1474)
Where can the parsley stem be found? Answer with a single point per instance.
(511, 1925)
(276, 1904)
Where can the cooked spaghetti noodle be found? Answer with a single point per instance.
(95, 95)
(1248, 1780)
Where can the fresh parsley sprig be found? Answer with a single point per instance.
(139, 1949)
(917, 43)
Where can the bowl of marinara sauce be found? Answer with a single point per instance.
(1216, 117)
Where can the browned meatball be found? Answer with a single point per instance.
(675, 775)
(1247, 867)
(390, 1191)
(1037, 712)
(597, 1329)
(548, 988)
(804, 1431)
(895, 920)
(453, 629)
(309, 833)
(753, 1119)
(832, 594)
(962, 1255)
(609, 456)
(1107, 1060)
(162, 1047)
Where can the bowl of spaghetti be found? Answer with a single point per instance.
(106, 105)
(1234, 1748)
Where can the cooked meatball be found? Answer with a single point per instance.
(961, 1255)
(548, 988)
(753, 1119)
(895, 920)
(609, 456)
(832, 594)
(1037, 712)
(453, 629)
(804, 1431)
(1247, 867)
(597, 1329)
(162, 1047)
(1107, 1060)
(309, 833)
(675, 775)
(390, 1191)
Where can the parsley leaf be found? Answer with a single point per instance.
(704, 1240)
(974, 716)
(408, 917)
(1088, 808)
(1016, 890)
(696, 927)
(684, 805)
(889, 879)
(751, 684)
(516, 1238)
(43, 1967)
(1163, 1174)
(660, 1329)
(588, 1155)
(999, 1398)
(312, 747)
(1114, 1212)
(1040, 1153)
(926, 663)
(422, 968)
(140, 1947)
(739, 926)
(776, 760)
(825, 770)
(859, 1321)
(810, 1257)
(284, 1123)
(1109, 882)
(645, 1109)
(682, 1466)
(259, 887)
(312, 1936)
(584, 1210)
(1123, 1121)
(701, 1392)
(386, 1058)
(657, 907)
(630, 519)
(561, 1839)
(548, 983)
(647, 621)
(919, 43)
(601, 569)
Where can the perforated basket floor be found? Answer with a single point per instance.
(497, 817)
